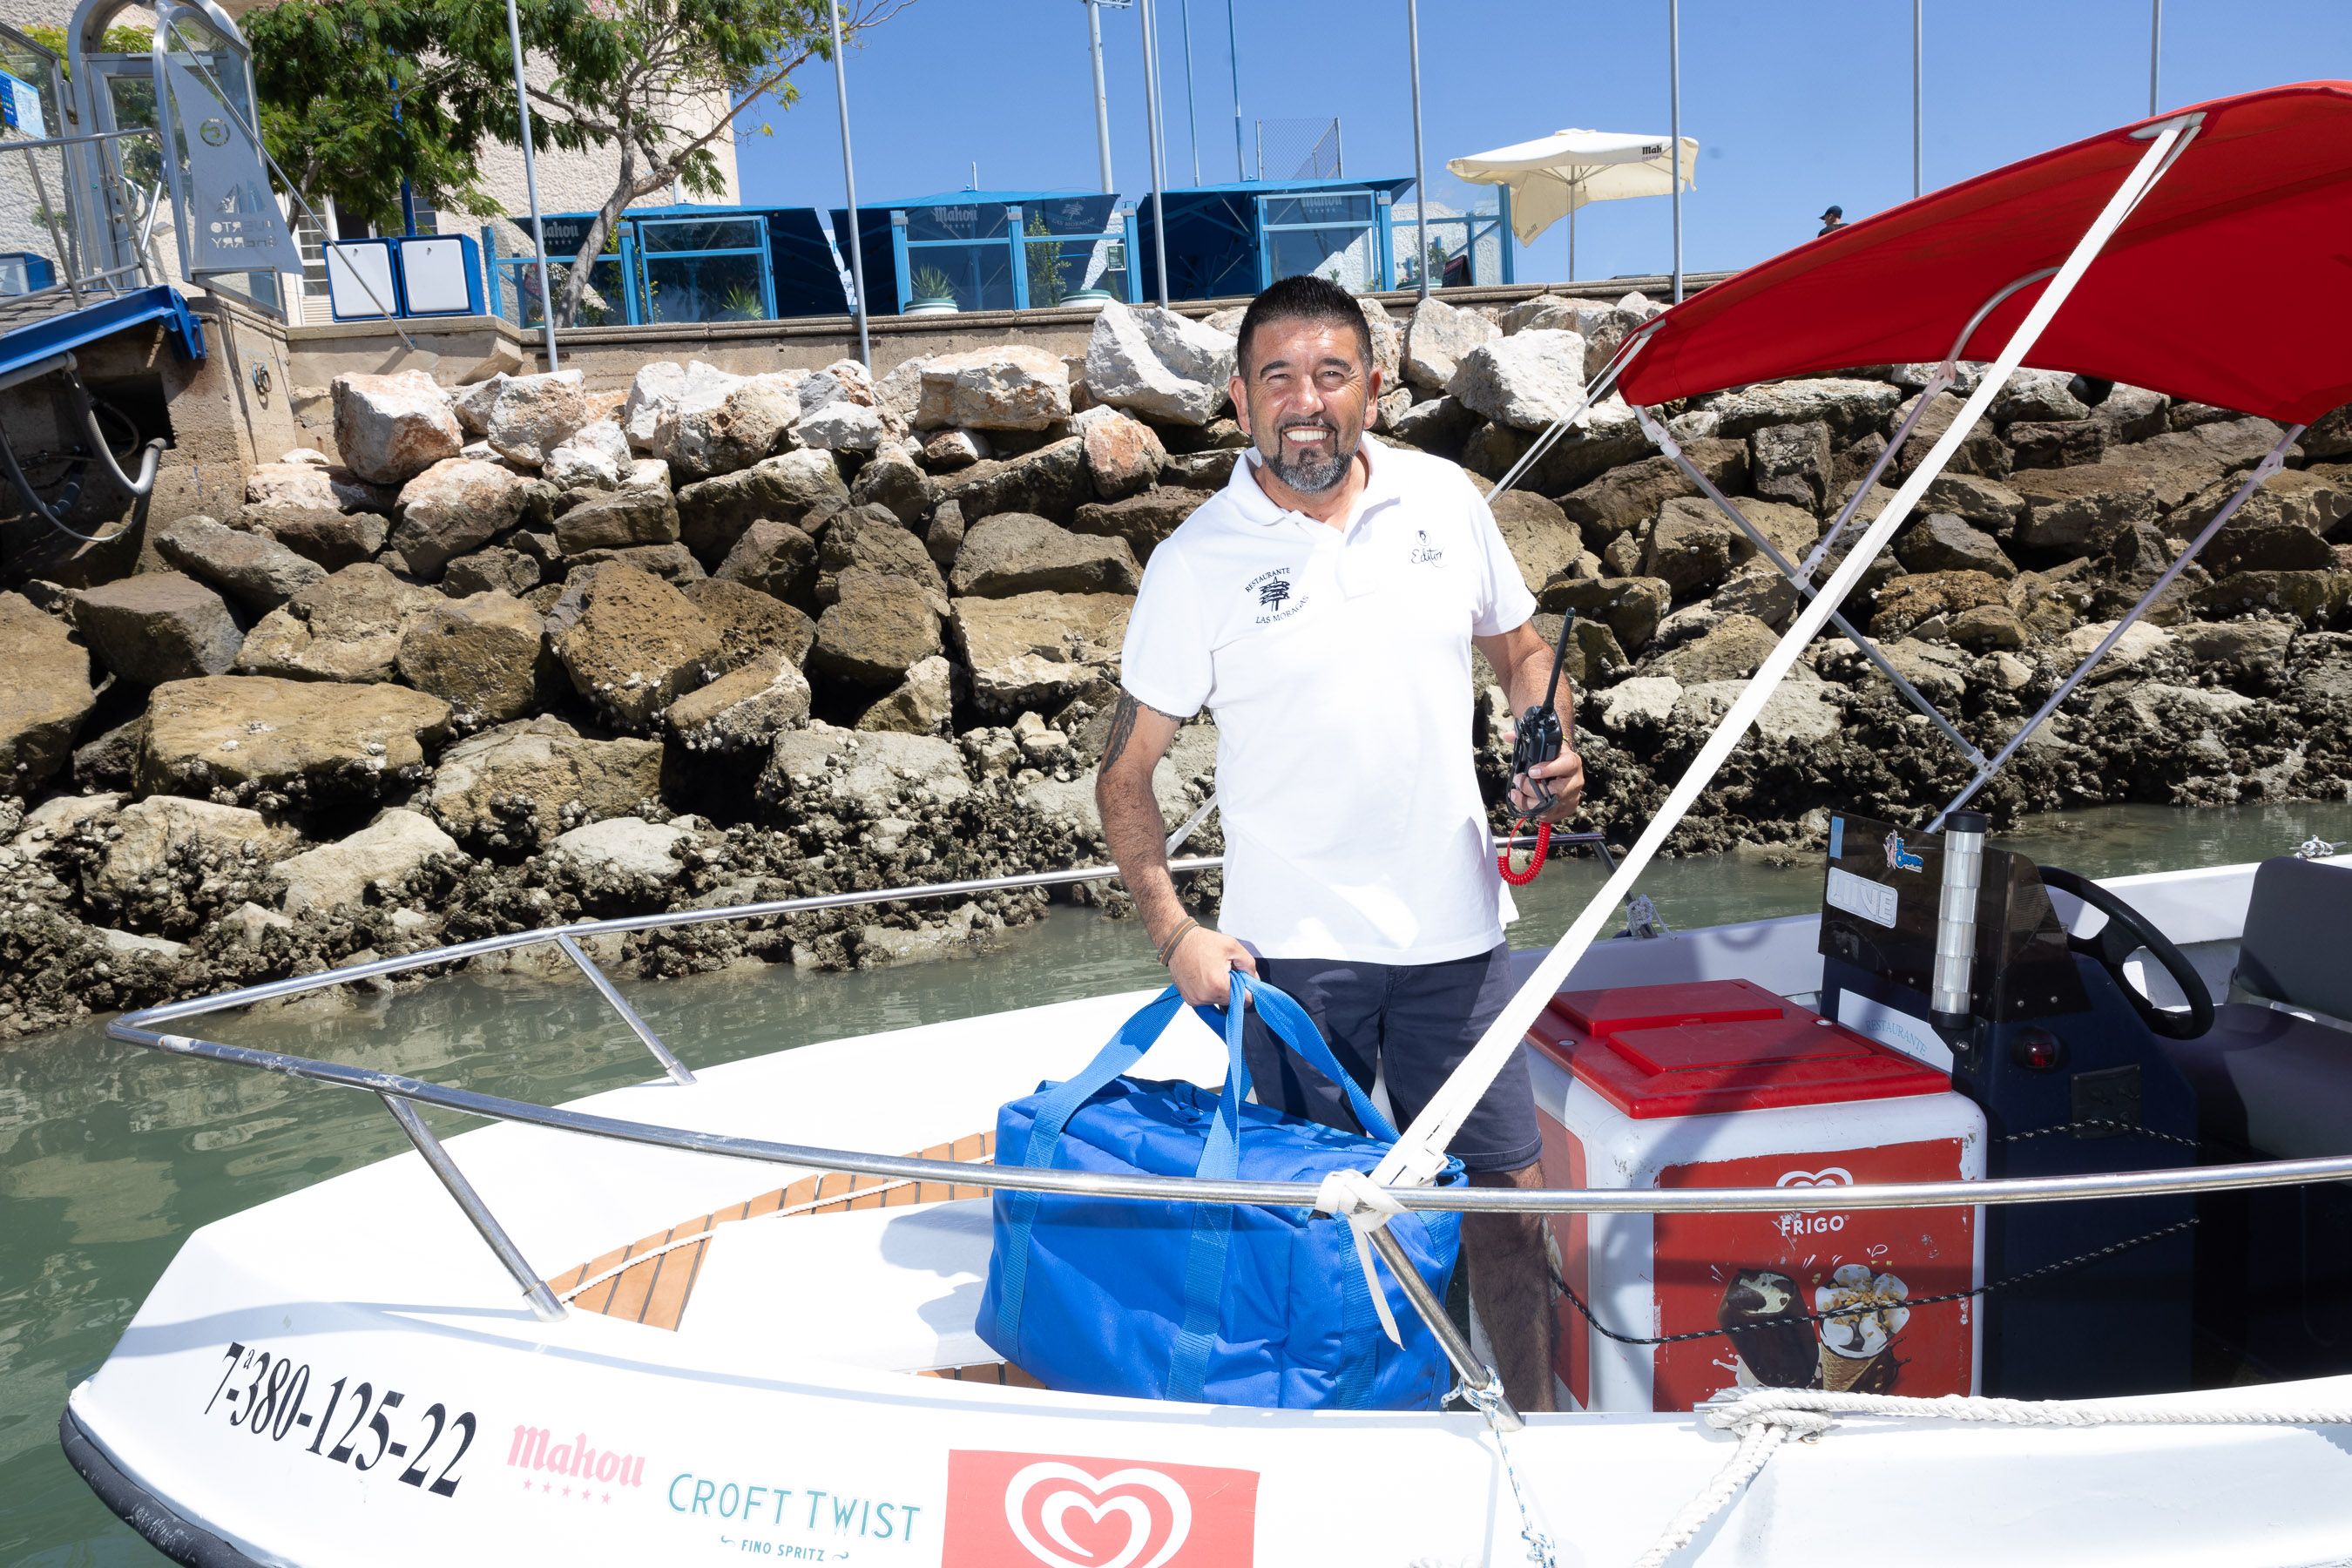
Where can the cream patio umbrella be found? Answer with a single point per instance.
(1553, 175)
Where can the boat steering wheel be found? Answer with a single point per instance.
(2126, 932)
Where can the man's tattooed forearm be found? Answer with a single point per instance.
(1123, 726)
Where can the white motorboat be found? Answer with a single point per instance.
(733, 1314)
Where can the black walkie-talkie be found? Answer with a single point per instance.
(1540, 735)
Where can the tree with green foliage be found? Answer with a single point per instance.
(356, 93)
(662, 82)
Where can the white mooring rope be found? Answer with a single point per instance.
(1768, 1418)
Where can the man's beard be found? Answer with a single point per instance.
(1310, 473)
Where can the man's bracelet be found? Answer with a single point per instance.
(1176, 940)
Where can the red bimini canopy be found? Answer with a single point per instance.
(2229, 284)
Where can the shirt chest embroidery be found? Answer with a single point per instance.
(1273, 596)
(1424, 552)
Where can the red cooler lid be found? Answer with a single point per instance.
(1704, 1047)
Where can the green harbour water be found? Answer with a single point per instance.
(111, 1155)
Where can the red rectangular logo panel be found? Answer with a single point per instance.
(1880, 1271)
(1075, 1511)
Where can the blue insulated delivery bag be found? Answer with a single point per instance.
(1233, 1304)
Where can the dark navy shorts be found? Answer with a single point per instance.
(1409, 1024)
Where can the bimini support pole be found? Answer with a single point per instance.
(1801, 582)
(2272, 462)
(1419, 1154)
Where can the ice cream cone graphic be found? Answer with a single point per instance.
(1865, 1311)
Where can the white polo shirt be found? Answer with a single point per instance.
(1337, 663)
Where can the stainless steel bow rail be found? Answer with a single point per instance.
(402, 1094)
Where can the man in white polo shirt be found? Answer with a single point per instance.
(1323, 607)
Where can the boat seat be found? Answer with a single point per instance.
(2272, 1083)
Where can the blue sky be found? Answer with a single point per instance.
(1796, 103)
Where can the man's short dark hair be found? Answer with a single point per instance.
(1307, 298)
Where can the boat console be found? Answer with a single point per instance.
(2079, 1073)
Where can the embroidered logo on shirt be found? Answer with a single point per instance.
(1423, 555)
(1277, 600)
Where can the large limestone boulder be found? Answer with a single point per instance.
(333, 539)
(1016, 552)
(751, 624)
(631, 643)
(1157, 363)
(1033, 649)
(1524, 382)
(1626, 498)
(348, 628)
(843, 426)
(1695, 547)
(629, 847)
(256, 738)
(618, 521)
(713, 513)
(1436, 338)
(157, 627)
(1630, 607)
(2078, 509)
(722, 424)
(654, 391)
(922, 704)
(2036, 395)
(391, 428)
(313, 486)
(776, 559)
(458, 505)
(1847, 405)
(1731, 651)
(871, 537)
(2283, 527)
(161, 829)
(1798, 712)
(384, 854)
(531, 416)
(45, 699)
(879, 626)
(248, 569)
(1546, 313)
(1541, 539)
(1050, 482)
(863, 775)
(1907, 603)
(1008, 386)
(519, 785)
(894, 481)
(1790, 463)
(743, 710)
(1142, 521)
(596, 457)
(1124, 455)
(1971, 498)
(1942, 543)
(483, 655)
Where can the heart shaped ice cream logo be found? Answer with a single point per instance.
(1827, 1176)
(1043, 1497)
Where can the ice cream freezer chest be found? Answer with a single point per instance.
(1722, 1084)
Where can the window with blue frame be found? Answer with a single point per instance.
(1334, 234)
(702, 270)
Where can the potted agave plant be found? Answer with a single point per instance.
(933, 293)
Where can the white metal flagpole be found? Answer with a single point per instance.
(1674, 131)
(1158, 173)
(1919, 99)
(531, 184)
(1102, 98)
(1420, 166)
(849, 185)
(1420, 1152)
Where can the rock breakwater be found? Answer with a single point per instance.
(525, 651)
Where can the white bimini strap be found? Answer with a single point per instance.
(1354, 1197)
